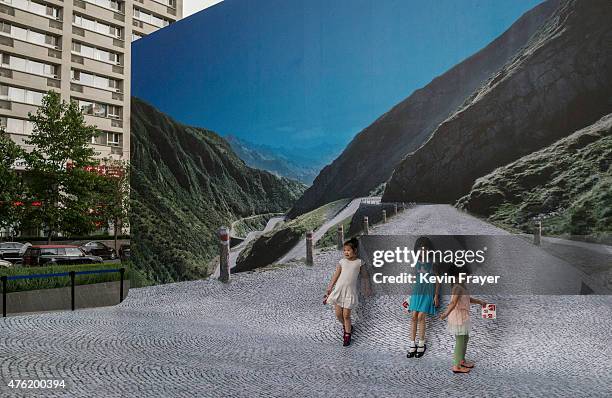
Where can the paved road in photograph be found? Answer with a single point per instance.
(299, 251)
(267, 333)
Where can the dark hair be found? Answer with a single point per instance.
(423, 241)
(455, 270)
(353, 243)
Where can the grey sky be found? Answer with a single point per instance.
(193, 6)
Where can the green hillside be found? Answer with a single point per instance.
(187, 182)
(569, 183)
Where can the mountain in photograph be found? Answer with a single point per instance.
(186, 182)
(279, 161)
(371, 157)
(569, 181)
(560, 82)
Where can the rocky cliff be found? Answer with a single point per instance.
(186, 182)
(569, 183)
(373, 154)
(560, 82)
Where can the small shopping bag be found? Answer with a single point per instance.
(489, 311)
(406, 305)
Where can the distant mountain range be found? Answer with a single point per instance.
(302, 164)
(186, 182)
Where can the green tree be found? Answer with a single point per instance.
(58, 168)
(115, 198)
(11, 187)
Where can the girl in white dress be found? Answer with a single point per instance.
(342, 290)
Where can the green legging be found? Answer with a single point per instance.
(460, 348)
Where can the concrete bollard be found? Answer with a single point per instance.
(537, 236)
(224, 243)
(384, 215)
(340, 243)
(309, 249)
(395, 209)
(366, 226)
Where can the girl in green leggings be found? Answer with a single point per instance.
(458, 314)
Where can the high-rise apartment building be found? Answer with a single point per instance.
(80, 48)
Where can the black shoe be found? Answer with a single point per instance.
(410, 354)
(419, 354)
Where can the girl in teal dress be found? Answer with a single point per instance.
(423, 301)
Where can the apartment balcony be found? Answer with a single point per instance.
(96, 94)
(157, 8)
(98, 39)
(99, 13)
(98, 67)
(105, 123)
(143, 28)
(105, 151)
(16, 110)
(34, 21)
(42, 53)
(27, 80)
(20, 139)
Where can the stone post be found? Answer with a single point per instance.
(224, 243)
(366, 227)
(395, 209)
(384, 215)
(309, 249)
(537, 236)
(340, 242)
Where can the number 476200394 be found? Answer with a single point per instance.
(36, 383)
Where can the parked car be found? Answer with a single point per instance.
(5, 264)
(42, 255)
(11, 251)
(124, 252)
(96, 248)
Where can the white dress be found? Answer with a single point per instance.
(344, 293)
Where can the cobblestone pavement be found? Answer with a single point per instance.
(267, 334)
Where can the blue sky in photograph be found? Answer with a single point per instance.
(301, 73)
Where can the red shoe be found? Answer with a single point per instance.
(346, 339)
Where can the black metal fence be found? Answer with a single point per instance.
(72, 274)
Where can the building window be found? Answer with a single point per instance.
(99, 109)
(150, 18)
(95, 53)
(169, 3)
(28, 35)
(17, 126)
(16, 94)
(113, 139)
(35, 8)
(28, 66)
(114, 111)
(96, 81)
(110, 4)
(99, 27)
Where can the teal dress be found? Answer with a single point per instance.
(422, 297)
